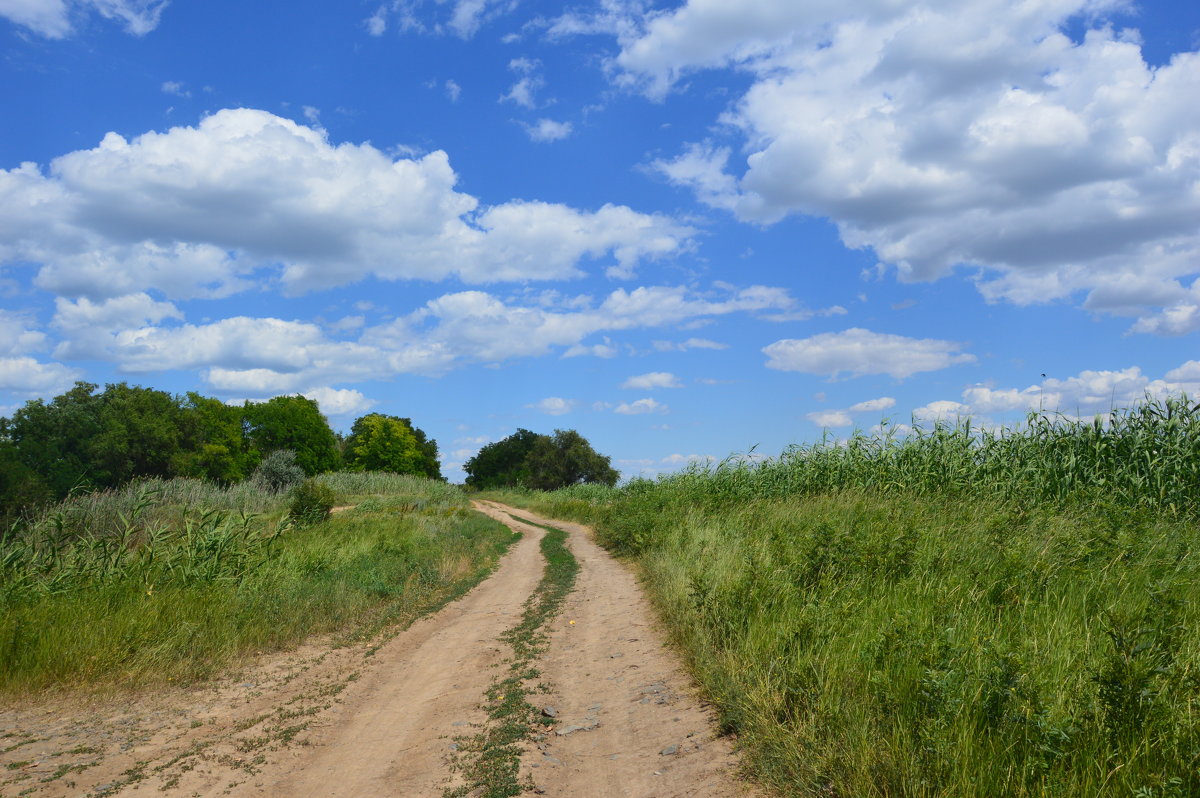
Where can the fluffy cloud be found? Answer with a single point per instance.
(195, 211)
(52, 18)
(605, 349)
(376, 24)
(1188, 372)
(640, 407)
(476, 326)
(654, 379)
(524, 91)
(548, 130)
(1083, 395)
(340, 401)
(844, 418)
(859, 352)
(247, 356)
(16, 335)
(28, 378)
(942, 410)
(873, 405)
(830, 418)
(1086, 393)
(943, 133)
(554, 406)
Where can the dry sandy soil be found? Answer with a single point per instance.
(382, 719)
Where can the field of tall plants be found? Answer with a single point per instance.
(169, 581)
(956, 612)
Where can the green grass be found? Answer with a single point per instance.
(170, 593)
(889, 617)
(489, 761)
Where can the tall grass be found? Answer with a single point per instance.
(141, 586)
(961, 612)
(1144, 456)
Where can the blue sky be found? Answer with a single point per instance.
(684, 229)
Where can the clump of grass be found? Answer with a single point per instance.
(425, 493)
(311, 502)
(956, 613)
(155, 601)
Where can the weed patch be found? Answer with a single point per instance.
(489, 761)
(171, 594)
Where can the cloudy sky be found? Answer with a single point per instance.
(684, 229)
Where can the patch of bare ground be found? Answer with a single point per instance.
(628, 718)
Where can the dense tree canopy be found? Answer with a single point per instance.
(88, 439)
(296, 423)
(52, 439)
(502, 464)
(539, 461)
(567, 459)
(216, 445)
(379, 442)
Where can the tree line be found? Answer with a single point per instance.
(89, 439)
(543, 462)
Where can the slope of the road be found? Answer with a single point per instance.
(628, 719)
(384, 721)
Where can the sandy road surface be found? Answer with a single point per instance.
(381, 722)
(630, 723)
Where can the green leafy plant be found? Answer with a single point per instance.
(312, 501)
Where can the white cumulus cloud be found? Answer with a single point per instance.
(640, 407)
(255, 356)
(873, 405)
(830, 418)
(941, 133)
(196, 211)
(548, 130)
(858, 352)
(28, 378)
(1083, 395)
(340, 401)
(554, 406)
(654, 379)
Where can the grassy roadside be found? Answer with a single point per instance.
(136, 590)
(489, 761)
(937, 635)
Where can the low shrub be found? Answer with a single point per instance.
(312, 502)
(277, 472)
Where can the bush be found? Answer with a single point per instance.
(278, 471)
(312, 501)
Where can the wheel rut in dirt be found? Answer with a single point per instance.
(629, 721)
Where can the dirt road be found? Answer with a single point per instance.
(385, 719)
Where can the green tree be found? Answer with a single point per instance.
(53, 439)
(296, 423)
(539, 461)
(140, 435)
(20, 486)
(381, 442)
(502, 464)
(216, 446)
(567, 459)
